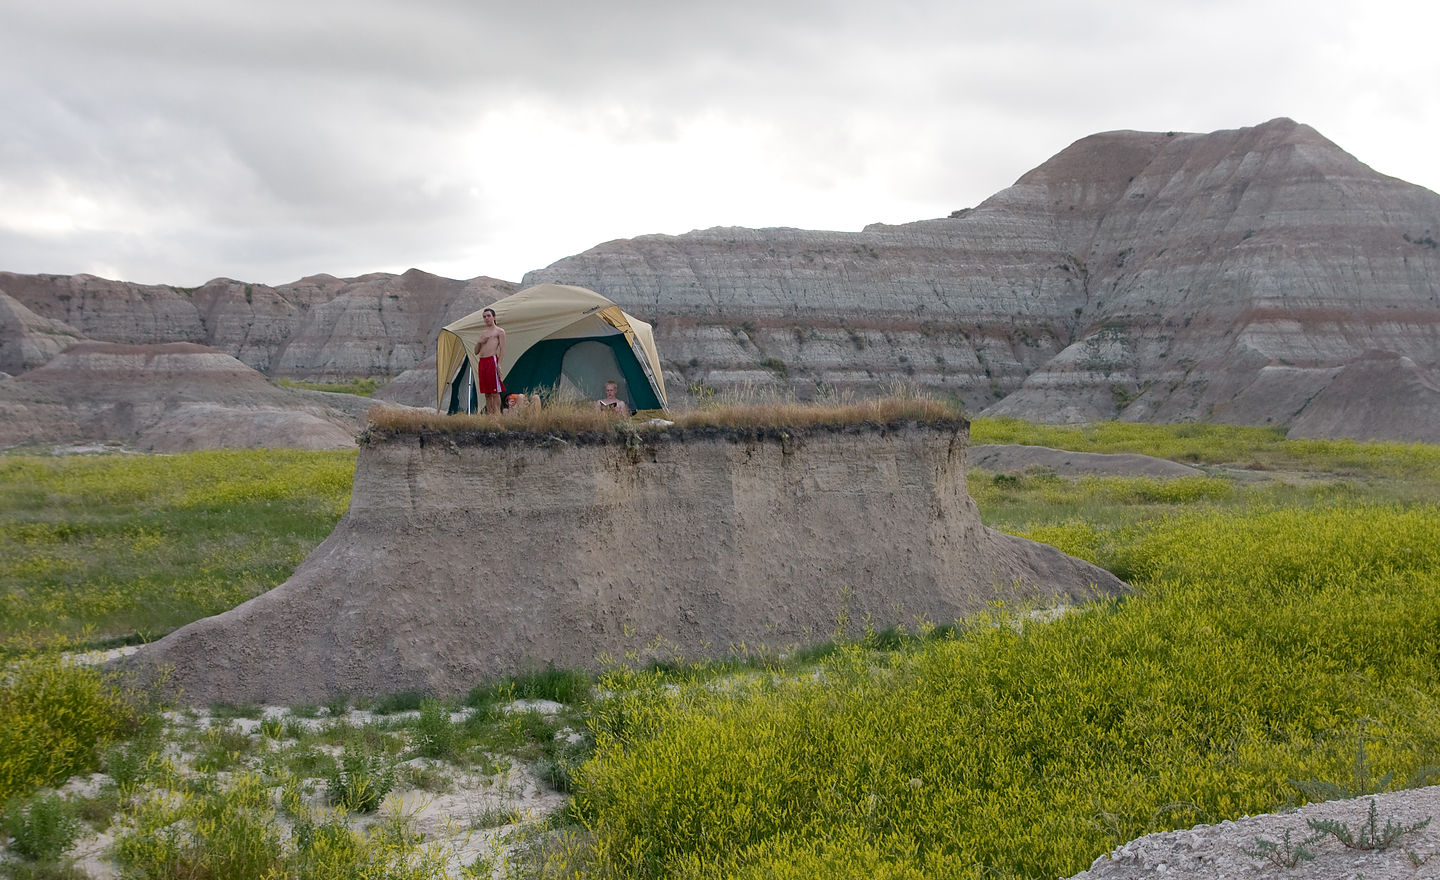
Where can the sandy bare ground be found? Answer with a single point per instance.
(476, 817)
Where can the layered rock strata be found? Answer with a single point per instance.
(1231, 276)
(28, 340)
(320, 327)
(461, 561)
(1145, 276)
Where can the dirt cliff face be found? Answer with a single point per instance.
(457, 564)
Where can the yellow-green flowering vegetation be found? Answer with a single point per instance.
(1257, 648)
(57, 718)
(209, 828)
(1282, 641)
(129, 547)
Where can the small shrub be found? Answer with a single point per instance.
(227, 711)
(99, 809)
(211, 831)
(435, 733)
(309, 761)
(557, 768)
(56, 718)
(431, 779)
(62, 870)
(406, 701)
(272, 728)
(222, 748)
(128, 764)
(42, 827)
(496, 816)
(233, 831)
(1284, 853)
(1362, 782)
(1369, 836)
(360, 783)
(296, 728)
(569, 686)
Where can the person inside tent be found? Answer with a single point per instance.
(489, 349)
(610, 402)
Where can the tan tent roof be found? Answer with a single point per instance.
(546, 311)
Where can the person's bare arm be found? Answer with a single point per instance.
(500, 352)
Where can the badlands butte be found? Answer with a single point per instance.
(1255, 276)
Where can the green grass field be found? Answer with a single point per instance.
(362, 387)
(1259, 647)
(123, 548)
(1285, 624)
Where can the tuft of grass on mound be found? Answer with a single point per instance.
(1259, 647)
(582, 419)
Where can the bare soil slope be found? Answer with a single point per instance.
(168, 398)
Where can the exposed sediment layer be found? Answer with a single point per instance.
(459, 563)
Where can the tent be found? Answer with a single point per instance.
(556, 336)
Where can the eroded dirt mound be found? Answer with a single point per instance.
(458, 563)
(167, 398)
(1382, 395)
(1012, 458)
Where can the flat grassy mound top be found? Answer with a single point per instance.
(585, 425)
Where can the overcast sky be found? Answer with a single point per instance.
(174, 141)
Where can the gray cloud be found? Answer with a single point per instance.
(264, 140)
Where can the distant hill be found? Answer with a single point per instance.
(1231, 276)
(320, 327)
(1258, 276)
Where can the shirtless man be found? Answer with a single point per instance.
(611, 403)
(488, 352)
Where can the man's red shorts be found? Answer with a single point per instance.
(487, 375)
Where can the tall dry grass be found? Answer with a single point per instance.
(578, 418)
